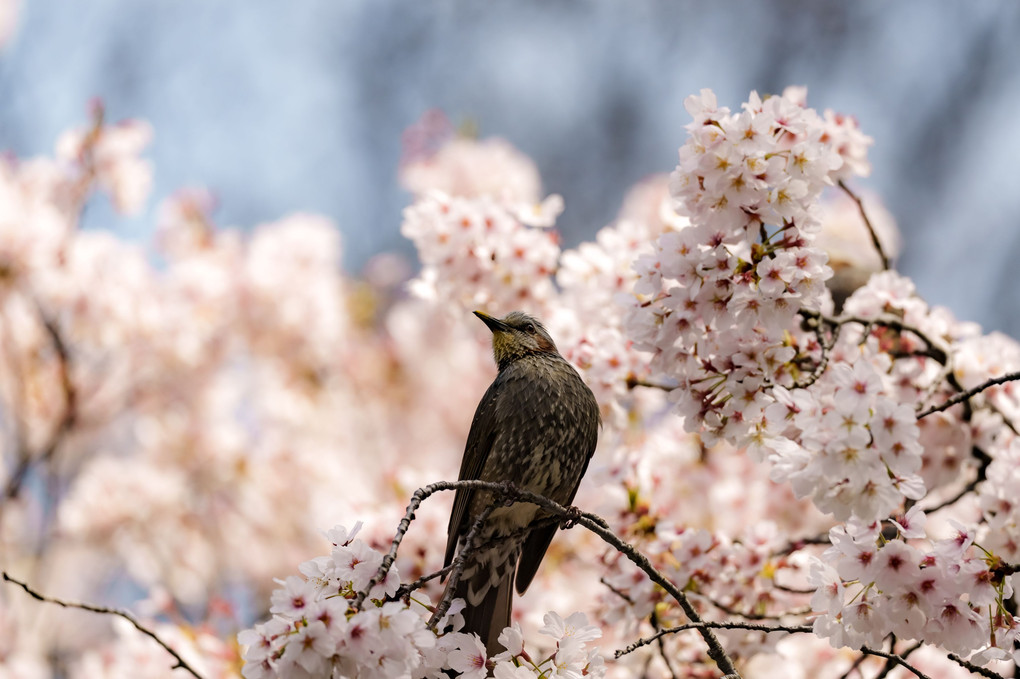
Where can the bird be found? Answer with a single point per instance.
(537, 426)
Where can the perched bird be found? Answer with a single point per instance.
(537, 426)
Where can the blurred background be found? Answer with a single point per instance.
(278, 107)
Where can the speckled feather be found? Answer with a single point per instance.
(537, 425)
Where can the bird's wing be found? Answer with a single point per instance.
(537, 542)
(476, 451)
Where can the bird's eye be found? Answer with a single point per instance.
(529, 328)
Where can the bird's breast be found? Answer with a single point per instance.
(543, 424)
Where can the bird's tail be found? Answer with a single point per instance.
(490, 615)
(487, 587)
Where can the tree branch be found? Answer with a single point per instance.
(470, 544)
(886, 264)
(405, 590)
(854, 667)
(179, 663)
(934, 352)
(635, 381)
(890, 665)
(969, 393)
(751, 626)
(756, 627)
(984, 459)
(751, 615)
(570, 515)
(617, 592)
(67, 420)
(976, 669)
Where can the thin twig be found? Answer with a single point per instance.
(935, 350)
(854, 667)
(419, 496)
(815, 323)
(963, 396)
(794, 545)
(470, 544)
(180, 662)
(896, 659)
(757, 627)
(635, 381)
(405, 590)
(592, 522)
(616, 591)
(976, 669)
(654, 619)
(751, 626)
(891, 665)
(984, 459)
(67, 419)
(886, 264)
(728, 610)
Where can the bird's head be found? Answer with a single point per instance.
(517, 335)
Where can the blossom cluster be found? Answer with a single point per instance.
(846, 443)
(870, 585)
(724, 302)
(317, 631)
(719, 297)
(478, 252)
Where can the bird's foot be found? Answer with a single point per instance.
(571, 517)
(507, 494)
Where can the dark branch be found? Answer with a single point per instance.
(592, 522)
(470, 544)
(896, 660)
(614, 590)
(854, 667)
(750, 626)
(817, 322)
(634, 381)
(179, 661)
(757, 627)
(795, 545)
(982, 471)
(67, 419)
(976, 669)
(751, 615)
(654, 619)
(969, 393)
(890, 665)
(886, 264)
(406, 590)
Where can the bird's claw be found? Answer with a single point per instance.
(571, 517)
(508, 494)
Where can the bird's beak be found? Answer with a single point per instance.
(495, 325)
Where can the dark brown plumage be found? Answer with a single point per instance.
(537, 425)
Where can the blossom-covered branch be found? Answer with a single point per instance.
(508, 492)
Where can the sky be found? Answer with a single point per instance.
(299, 106)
